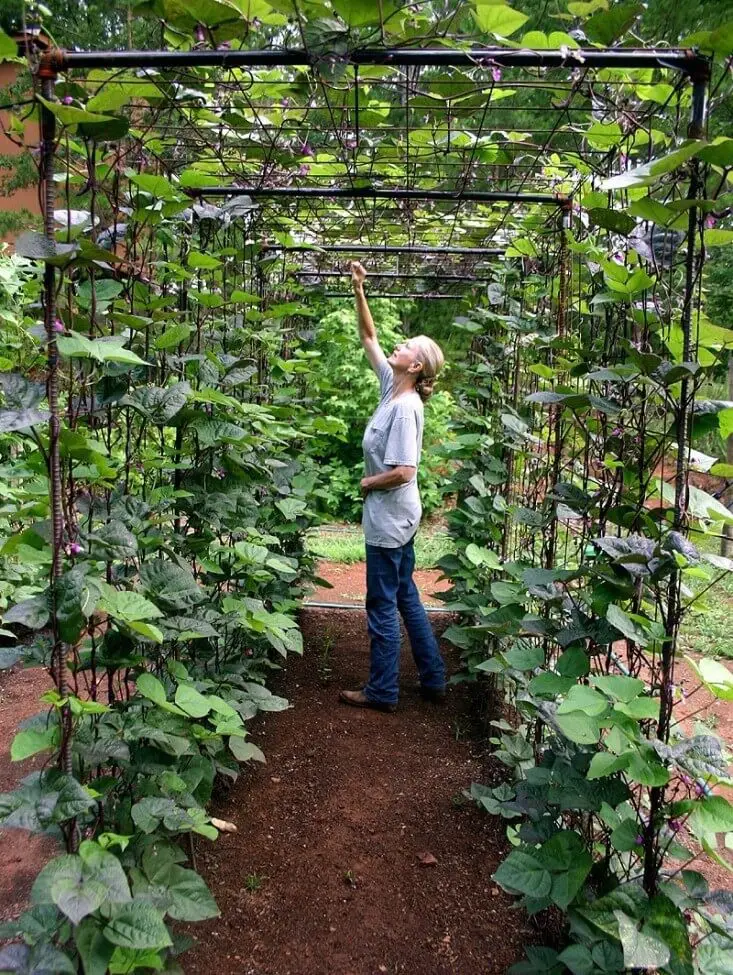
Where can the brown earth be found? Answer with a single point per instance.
(356, 852)
(349, 584)
(21, 854)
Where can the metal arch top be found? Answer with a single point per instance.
(689, 62)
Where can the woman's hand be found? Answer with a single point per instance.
(358, 276)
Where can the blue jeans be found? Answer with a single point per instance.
(390, 587)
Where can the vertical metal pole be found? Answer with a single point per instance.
(556, 411)
(726, 545)
(59, 665)
(696, 130)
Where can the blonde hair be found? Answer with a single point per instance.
(432, 358)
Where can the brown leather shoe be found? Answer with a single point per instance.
(358, 699)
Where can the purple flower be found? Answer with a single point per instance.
(639, 839)
(699, 789)
(618, 432)
(675, 825)
(58, 326)
(687, 780)
(75, 548)
(303, 170)
(496, 74)
(710, 222)
(285, 103)
(305, 150)
(67, 100)
(350, 143)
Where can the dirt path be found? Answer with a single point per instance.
(21, 854)
(338, 832)
(349, 584)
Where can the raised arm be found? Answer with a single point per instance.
(367, 331)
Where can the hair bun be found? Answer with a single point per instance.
(424, 387)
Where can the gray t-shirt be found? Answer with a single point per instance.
(393, 438)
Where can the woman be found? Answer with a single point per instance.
(392, 444)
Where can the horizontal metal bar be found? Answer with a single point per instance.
(324, 604)
(374, 193)
(437, 275)
(384, 249)
(394, 294)
(681, 60)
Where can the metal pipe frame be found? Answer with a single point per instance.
(383, 249)
(686, 61)
(424, 275)
(395, 295)
(373, 193)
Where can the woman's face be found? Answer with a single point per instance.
(405, 357)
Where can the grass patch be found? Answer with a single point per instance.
(709, 628)
(348, 547)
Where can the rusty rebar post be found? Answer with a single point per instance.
(59, 665)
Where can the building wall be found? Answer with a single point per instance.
(25, 198)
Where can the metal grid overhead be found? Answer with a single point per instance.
(424, 147)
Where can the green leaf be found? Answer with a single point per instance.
(31, 742)
(245, 751)
(94, 949)
(565, 856)
(625, 624)
(150, 687)
(579, 727)
(482, 556)
(585, 699)
(522, 873)
(204, 261)
(718, 238)
(641, 708)
(172, 585)
(651, 171)
(11, 420)
(604, 763)
(719, 41)
(137, 925)
(173, 336)
(8, 47)
(192, 701)
(525, 657)
(158, 404)
(498, 18)
(625, 835)
(607, 26)
(121, 604)
(715, 675)
(109, 349)
(33, 613)
(191, 898)
(645, 769)
(79, 884)
(725, 423)
(618, 688)
(550, 685)
(641, 950)
(712, 814)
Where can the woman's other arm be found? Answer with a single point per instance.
(367, 331)
(392, 478)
